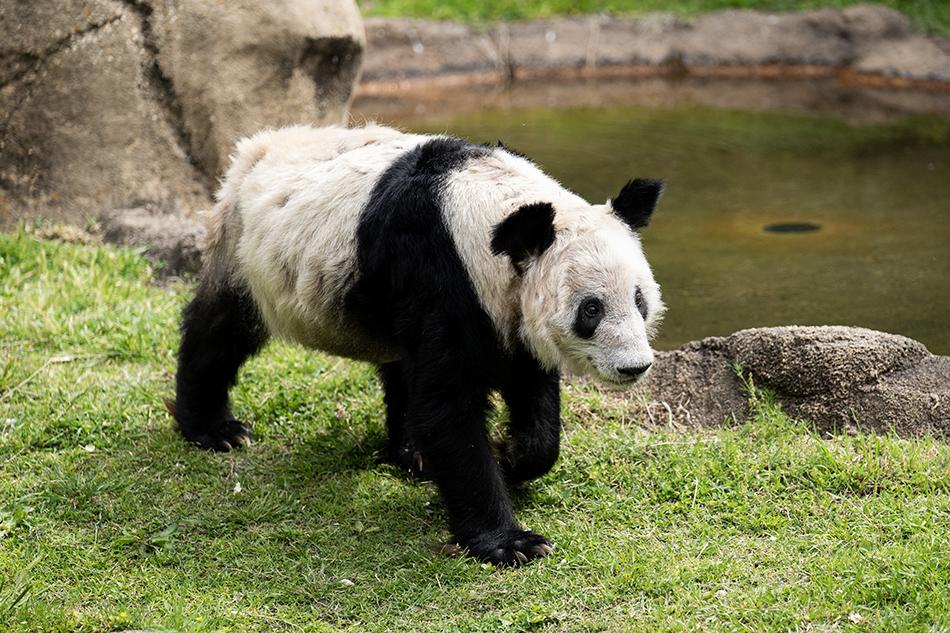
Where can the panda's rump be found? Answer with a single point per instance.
(297, 248)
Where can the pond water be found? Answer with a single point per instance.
(768, 218)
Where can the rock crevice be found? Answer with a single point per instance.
(162, 90)
(25, 66)
(19, 65)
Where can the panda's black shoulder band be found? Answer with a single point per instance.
(527, 232)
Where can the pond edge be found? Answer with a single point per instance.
(864, 44)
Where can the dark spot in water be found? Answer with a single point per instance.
(792, 227)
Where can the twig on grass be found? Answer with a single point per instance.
(52, 360)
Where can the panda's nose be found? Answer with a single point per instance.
(634, 371)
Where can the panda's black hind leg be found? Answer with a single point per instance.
(220, 329)
(402, 451)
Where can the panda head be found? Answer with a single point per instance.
(588, 299)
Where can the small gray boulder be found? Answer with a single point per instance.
(838, 377)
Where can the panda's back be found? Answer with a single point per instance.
(346, 237)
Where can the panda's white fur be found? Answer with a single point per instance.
(285, 227)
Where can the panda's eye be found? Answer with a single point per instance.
(589, 315)
(592, 308)
(641, 303)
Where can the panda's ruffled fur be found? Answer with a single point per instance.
(378, 245)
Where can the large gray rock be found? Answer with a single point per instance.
(838, 377)
(81, 128)
(117, 103)
(241, 65)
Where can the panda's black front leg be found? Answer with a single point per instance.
(446, 418)
(533, 396)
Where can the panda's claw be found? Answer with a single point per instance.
(508, 548)
(409, 459)
(230, 434)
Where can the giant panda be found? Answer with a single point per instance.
(456, 268)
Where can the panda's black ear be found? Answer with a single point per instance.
(637, 200)
(527, 232)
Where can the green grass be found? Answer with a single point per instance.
(932, 15)
(108, 521)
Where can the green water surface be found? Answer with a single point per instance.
(880, 192)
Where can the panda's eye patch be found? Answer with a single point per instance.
(641, 302)
(589, 315)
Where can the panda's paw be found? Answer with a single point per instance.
(229, 434)
(508, 547)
